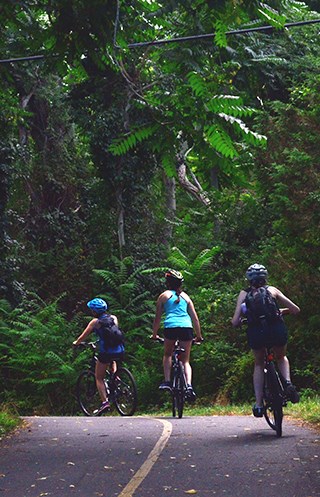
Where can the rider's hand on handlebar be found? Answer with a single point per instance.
(198, 339)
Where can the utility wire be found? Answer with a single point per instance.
(211, 35)
(174, 40)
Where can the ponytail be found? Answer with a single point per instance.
(178, 291)
(175, 285)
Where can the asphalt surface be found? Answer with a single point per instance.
(218, 456)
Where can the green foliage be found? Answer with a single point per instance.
(36, 358)
(123, 290)
(98, 127)
(122, 146)
(195, 270)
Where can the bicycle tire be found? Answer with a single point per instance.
(178, 393)
(273, 399)
(123, 392)
(87, 393)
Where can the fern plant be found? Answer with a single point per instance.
(124, 291)
(36, 352)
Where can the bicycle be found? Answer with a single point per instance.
(274, 396)
(120, 387)
(179, 389)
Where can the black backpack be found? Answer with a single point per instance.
(261, 306)
(110, 332)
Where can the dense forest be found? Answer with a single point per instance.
(146, 135)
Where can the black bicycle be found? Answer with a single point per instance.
(120, 387)
(179, 388)
(274, 396)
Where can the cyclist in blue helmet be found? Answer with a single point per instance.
(107, 355)
(181, 321)
(258, 334)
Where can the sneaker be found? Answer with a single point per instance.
(257, 411)
(291, 392)
(165, 385)
(104, 406)
(191, 396)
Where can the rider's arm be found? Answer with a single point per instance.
(195, 320)
(290, 307)
(86, 332)
(115, 319)
(237, 313)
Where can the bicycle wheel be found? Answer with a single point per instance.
(87, 393)
(273, 400)
(124, 392)
(178, 393)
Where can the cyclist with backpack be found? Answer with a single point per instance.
(259, 304)
(180, 321)
(111, 346)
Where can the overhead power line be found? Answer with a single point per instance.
(211, 35)
(174, 40)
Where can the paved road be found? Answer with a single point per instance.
(216, 456)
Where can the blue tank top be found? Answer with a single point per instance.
(177, 315)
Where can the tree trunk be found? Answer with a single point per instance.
(194, 188)
(171, 207)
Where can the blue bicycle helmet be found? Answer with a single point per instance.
(97, 305)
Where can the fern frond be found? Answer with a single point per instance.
(169, 165)
(271, 16)
(108, 277)
(52, 356)
(229, 104)
(178, 260)
(197, 84)
(220, 140)
(250, 136)
(121, 146)
(220, 33)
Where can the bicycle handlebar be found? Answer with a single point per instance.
(92, 345)
(161, 340)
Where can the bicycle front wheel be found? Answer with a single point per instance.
(125, 394)
(87, 393)
(178, 393)
(273, 400)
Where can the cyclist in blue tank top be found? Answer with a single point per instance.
(180, 321)
(107, 355)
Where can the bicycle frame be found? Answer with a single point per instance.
(120, 387)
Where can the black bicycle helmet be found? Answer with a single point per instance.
(256, 271)
(176, 275)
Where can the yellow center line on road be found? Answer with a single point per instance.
(140, 475)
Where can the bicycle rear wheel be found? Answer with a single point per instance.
(87, 393)
(178, 393)
(273, 400)
(124, 392)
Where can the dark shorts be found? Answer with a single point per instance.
(260, 336)
(105, 358)
(183, 334)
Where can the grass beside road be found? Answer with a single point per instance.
(307, 411)
(8, 421)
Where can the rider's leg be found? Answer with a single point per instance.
(258, 375)
(100, 372)
(284, 368)
(167, 358)
(282, 361)
(185, 358)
